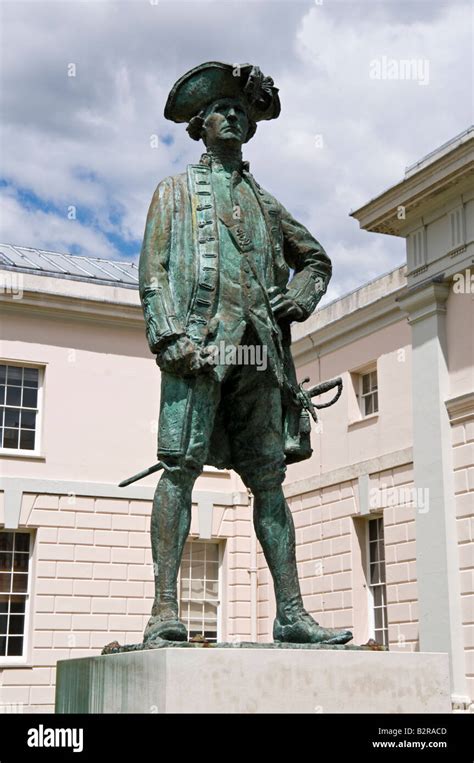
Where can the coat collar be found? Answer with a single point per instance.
(207, 160)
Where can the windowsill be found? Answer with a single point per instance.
(361, 423)
(20, 662)
(26, 454)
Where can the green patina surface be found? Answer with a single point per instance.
(215, 268)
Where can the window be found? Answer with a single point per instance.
(376, 577)
(199, 589)
(19, 398)
(417, 249)
(457, 228)
(14, 590)
(369, 397)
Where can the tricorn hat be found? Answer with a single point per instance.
(198, 88)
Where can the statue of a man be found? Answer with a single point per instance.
(214, 272)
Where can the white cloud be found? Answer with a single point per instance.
(48, 230)
(85, 140)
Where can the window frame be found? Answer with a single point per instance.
(7, 661)
(361, 396)
(371, 586)
(37, 452)
(417, 249)
(457, 219)
(220, 554)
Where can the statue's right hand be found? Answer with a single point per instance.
(182, 357)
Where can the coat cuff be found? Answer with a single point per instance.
(161, 325)
(306, 289)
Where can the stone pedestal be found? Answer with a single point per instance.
(254, 680)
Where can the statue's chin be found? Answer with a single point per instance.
(229, 135)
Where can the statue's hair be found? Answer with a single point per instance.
(196, 124)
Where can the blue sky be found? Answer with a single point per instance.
(98, 142)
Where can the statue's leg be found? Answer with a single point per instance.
(275, 530)
(254, 421)
(187, 415)
(170, 522)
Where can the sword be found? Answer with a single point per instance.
(303, 396)
(319, 389)
(151, 469)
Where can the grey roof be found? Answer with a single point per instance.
(70, 266)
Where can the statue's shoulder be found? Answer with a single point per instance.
(170, 186)
(171, 180)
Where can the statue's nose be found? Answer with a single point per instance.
(231, 115)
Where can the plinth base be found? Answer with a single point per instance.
(218, 680)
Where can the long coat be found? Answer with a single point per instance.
(170, 280)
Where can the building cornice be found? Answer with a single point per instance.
(461, 408)
(351, 318)
(357, 325)
(15, 487)
(68, 307)
(347, 473)
(425, 300)
(418, 191)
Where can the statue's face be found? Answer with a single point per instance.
(226, 120)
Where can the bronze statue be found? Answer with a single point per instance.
(214, 273)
